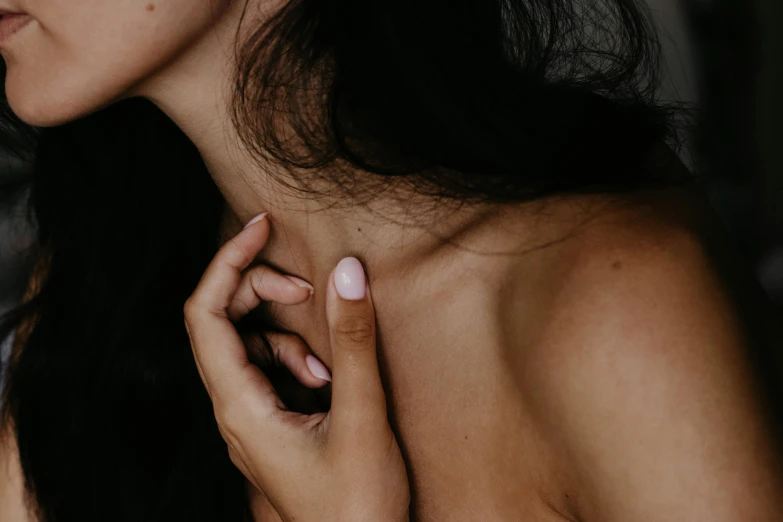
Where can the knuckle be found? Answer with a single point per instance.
(354, 331)
(190, 311)
(257, 276)
(236, 250)
(187, 308)
(194, 305)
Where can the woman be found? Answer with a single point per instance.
(562, 333)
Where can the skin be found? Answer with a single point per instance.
(347, 461)
(597, 370)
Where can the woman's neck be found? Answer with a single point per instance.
(310, 235)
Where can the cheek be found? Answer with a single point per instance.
(72, 61)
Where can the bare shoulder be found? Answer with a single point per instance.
(12, 497)
(642, 374)
(651, 268)
(12, 490)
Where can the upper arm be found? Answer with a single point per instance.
(12, 492)
(647, 388)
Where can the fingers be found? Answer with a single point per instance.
(357, 392)
(221, 278)
(262, 283)
(295, 355)
(226, 281)
(217, 347)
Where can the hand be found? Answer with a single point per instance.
(342, 465)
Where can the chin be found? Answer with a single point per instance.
(39, 117)
(49, 106)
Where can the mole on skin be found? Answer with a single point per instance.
(150, 7)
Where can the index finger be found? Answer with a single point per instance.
(221, 278)
(219, 351)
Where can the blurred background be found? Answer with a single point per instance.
(724, 56)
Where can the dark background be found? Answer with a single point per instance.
(724, 56)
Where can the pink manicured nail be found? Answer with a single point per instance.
(302, 283)
(317, 368)
(349, 279)
(256, 219)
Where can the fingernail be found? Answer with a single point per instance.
(302, 283)
(256, 219)
(317, 368)
(349, 279)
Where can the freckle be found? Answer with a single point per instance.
(617, 265)
(466, 437)
(150, 7)
(359, 229)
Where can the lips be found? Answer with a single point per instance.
(8, 14)
(11, 23)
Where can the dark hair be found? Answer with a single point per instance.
(464, 100)
(468, 100)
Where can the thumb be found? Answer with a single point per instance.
(358, 399)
